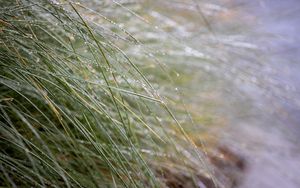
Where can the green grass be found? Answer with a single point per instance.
(76, 111)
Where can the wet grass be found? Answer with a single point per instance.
(78, 109)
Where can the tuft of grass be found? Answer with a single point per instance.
(76, 111)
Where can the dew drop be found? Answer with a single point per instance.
(29, 36)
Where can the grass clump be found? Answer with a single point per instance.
(75, 110)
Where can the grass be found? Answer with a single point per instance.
(78, 109)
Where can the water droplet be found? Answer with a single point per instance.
(71, 37)
(55, 2)
(29, 36)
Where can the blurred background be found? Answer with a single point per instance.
(244, 58)
(184, 93)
